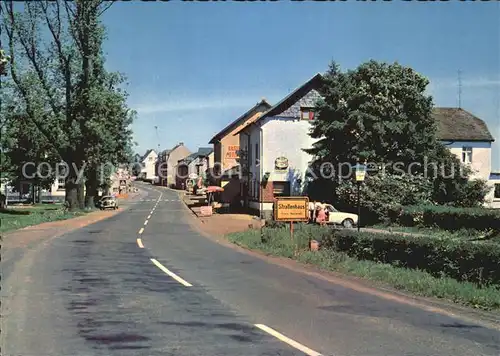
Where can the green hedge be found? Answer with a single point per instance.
(462, 260)
(445, 217)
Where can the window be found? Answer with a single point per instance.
(150, 159)
(467, 155)
(307, 114)
(60, 184)
(281, 189)
(497, 191)
(257, 156)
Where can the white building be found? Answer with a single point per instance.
(494, 181)
(148, 161)
(277, 138)
(469, 138)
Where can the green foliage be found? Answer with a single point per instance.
(459, 259)
(393, 273)
(446, 217)
(62, 93)
(383, 192)
(380, 114)
(13, 219)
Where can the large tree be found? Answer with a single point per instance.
(64, 72)
(379, 114)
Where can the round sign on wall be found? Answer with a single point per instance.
(281, 163)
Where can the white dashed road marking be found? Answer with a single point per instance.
(288, 341)
(141, 230)
(146, 222)
(139, 243)
(171, 274)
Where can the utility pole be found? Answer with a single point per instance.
(158, 137)
(459, 89)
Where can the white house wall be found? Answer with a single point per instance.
(481, 156)
(285, 137)
(150, 166)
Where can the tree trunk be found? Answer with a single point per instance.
(90, 192)
(39, 193)
(80, 188)
(71, 194)
(73, 190)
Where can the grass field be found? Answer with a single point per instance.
(15, 218)
(416, 282)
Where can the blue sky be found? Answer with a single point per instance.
(195, 67)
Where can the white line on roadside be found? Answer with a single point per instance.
(146, 222)
(287, 340)
(139, 242)
(171, 274)
(141, 230)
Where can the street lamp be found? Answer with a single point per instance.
(360, 177)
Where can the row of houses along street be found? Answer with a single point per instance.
(276, 134)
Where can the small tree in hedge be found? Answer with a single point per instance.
(384, 192)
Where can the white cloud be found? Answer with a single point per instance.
(193, 104)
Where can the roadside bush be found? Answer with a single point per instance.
(459, 259)
(382, 192)
(446, 217)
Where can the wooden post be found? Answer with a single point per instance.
(291, 230)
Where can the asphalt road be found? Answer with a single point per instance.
(100, 291)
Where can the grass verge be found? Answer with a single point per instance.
(463, 234)
(416, 282)
(18, 218)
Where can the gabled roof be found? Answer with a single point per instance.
(456, 124)
(147, 154)
(189, 158)
(240, 120)
(289, 100)
(175, 147)
(204, 151)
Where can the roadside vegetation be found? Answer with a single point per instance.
(414, 184)
(461, 271)
(60, 103)
(15, 218)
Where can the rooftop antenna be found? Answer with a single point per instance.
(459, 89)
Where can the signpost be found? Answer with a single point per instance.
(291, 209)
(360, 177)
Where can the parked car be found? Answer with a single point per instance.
(108, 202)
(336, 217)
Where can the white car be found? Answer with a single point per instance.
(336, 217)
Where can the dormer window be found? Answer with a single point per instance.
(307, 114)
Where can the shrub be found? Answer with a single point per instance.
(458, 259)
(446, 217)
(383, 192)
